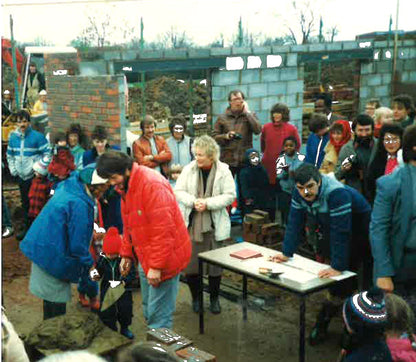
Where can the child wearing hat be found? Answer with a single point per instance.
(39, 189)
(108, 269)
(365, 319)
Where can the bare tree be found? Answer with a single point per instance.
(175, 39)
(332, 32)
(306, 19)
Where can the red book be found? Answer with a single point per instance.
(246, 254)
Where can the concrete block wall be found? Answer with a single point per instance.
(263, 87)
(90, 101)
(376, 75)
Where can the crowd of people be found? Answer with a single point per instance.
(94, 213)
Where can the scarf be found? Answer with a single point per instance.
(202, 222)
(346, 135)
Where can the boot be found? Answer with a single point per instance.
(95, 304)
(320, 329)
(84, 301)
(193, 283)
(214, 293)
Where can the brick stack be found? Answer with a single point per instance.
(258, 229)
(182, 346)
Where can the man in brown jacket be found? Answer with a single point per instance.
(234, 130)
(151, 150)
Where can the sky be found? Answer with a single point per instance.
(60, 21)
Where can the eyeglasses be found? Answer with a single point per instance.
(391, 140)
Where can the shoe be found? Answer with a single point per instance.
(84, 301)
(195, 305)
(318, 335)
(319, 331)
(95, 304)
(214, 306)
(127, 333)
(7, 232)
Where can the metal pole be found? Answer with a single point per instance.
(25, 79)
(141, 34)
(143, 86)
(396, 35)
(191, 105)
(14, 70)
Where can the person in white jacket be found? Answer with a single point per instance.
(204, 190)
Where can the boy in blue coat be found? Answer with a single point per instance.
(57, 243)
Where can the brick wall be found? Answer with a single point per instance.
(64, 61)
(90, 101)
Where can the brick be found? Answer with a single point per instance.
(220, 51)
(295, 86)
(241, 50)
(289, 74)
(292, 60)
(111, 105)
(73, 115)
(386, 78)
(270, 75)
(276, 88)
(257, 90)
(218, 93)
(225, 77)
(95, 98)
(364, 92)
(112, 92)
(250, 76)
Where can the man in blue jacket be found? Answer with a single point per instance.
(317, 140)
(393, 226)
(58, 241)
(342, 216)
(26, 147)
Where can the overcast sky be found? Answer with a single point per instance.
(60, 21)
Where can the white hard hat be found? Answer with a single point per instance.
(43, 92)
(6, 92)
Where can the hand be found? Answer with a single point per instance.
(153, 277)
(230, 135)
(279, 258)
(200, 205)
(148, 158)
(248, 201)
(386, 283)
(94, 274)
(125, 266)
(245, 107)
(328, 273)
(346, 166)
(162, 152)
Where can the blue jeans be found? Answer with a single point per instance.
(159, 303)
(87, 286)
(5, 216)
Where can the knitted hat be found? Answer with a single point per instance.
(41, 167)
(112, 241)
(90, 176)
(62, 162)
(365, 312)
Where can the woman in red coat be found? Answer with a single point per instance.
(272, 136)
(154, 229)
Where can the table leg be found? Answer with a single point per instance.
(244, 297)
(302, 309)
(201, 296)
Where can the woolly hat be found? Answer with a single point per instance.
(365, 312)
(62, 162)
(112, 241)
(41, 167)
(90, 176)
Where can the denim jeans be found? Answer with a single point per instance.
(5, 216)
(159, 303)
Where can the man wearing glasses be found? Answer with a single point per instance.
(234, 130)
(26, 146)
(342, 215)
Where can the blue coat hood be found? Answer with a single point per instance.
(59, 238)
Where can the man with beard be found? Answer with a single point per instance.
(154, 231)
(355, 156)
(342, 216)
(26, 146)
(393, 226)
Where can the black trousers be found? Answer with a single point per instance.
(24, 186)
(121, 311)
(52, 309)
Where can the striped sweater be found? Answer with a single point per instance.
(332, 210)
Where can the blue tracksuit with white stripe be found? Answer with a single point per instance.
(333, 210)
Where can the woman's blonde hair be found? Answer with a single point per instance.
(208, 145)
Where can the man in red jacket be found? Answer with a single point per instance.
(154, 230)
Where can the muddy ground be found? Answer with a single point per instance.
(270, 334)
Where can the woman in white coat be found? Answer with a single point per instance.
(204, 190)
